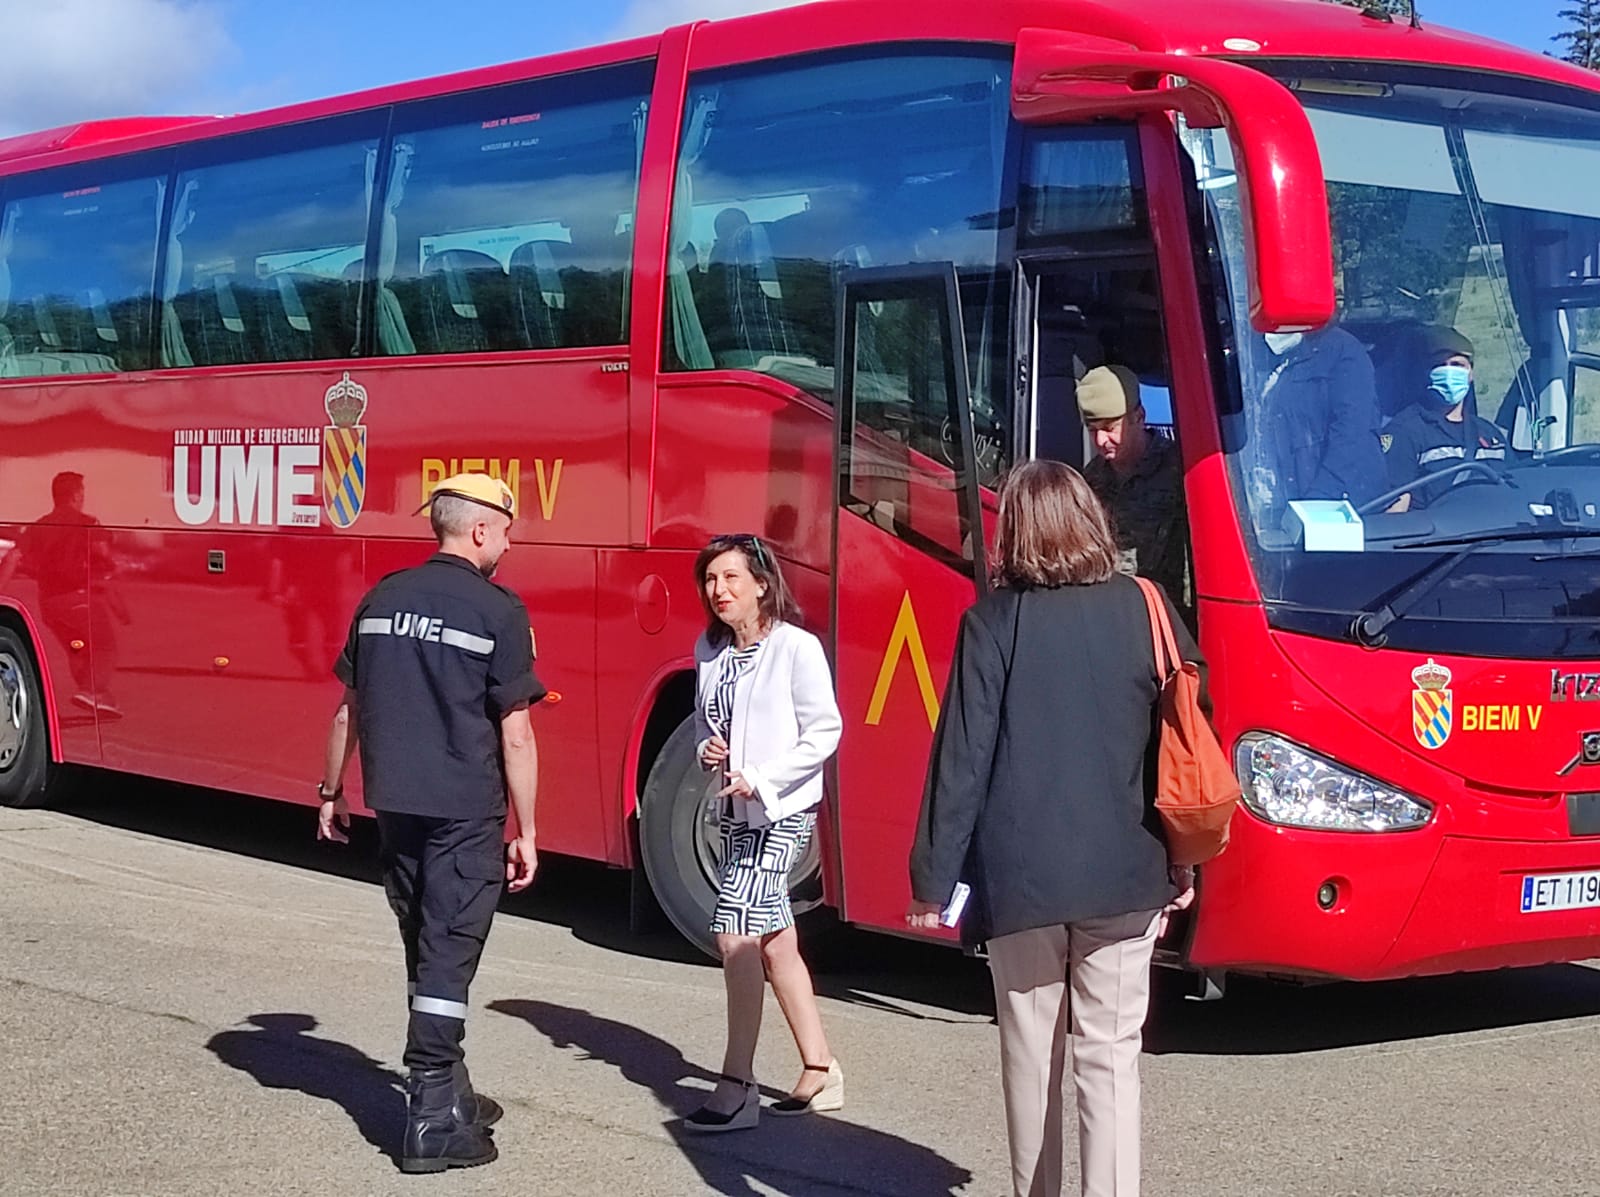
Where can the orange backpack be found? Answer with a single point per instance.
(1196, 789)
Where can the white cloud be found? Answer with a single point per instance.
(72, 60)
(652, 16)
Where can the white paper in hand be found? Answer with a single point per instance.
(951, 914)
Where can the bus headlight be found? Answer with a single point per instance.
(1288, 785)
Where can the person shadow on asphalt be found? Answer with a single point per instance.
(783, 1154)
(281, 1053)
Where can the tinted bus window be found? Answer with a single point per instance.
(77, 263)
(788, 174)
(1082, 190)
(267, 243)
(508, 216)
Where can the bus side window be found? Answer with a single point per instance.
(792, 172)
(267, 241)
(77, 248)
(508, 214)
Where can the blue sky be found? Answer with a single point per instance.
(207, 56)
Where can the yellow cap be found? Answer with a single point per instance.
(1108, 393)
(477, 488)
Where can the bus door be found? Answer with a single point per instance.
(908, 559)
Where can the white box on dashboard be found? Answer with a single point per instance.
(1326, 525)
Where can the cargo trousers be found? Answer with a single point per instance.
(443, 878)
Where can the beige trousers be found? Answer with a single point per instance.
(1107, 964)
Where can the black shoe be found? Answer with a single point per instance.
(710, 1122)
(472, 1106)
(436, 1136)
(828, 1098)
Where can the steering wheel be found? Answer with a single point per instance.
(1481, 468)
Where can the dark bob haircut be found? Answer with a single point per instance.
(777, 604)
(1052, 530)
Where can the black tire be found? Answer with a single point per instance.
(25, 768)
(678, 843)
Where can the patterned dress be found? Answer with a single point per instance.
(753, 889)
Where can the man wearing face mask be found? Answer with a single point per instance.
(1321, 417)
(1440, 429)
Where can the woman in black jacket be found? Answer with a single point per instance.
(1039, 797)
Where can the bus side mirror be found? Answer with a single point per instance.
(1060, 77)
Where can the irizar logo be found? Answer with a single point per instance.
(1578, 687)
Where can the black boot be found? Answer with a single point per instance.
(472, 1106)
(436, 1138)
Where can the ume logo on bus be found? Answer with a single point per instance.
(267, 477)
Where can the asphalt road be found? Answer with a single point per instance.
(195, 999)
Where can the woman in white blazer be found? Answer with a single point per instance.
(767, 719)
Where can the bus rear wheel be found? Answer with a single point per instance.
(681, 848)
(24, 754)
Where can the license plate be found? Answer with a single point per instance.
(1560, 891)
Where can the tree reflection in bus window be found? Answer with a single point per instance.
(507, 220)
(790, 173)
(77, 263)
(266, 246)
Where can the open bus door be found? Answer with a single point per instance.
(908, 558)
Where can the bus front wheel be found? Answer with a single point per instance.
(680, 846)
(24, 754)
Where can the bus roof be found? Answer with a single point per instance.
(1240, 29)
(91, 133)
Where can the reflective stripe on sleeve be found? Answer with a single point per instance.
(375, 627)
(439, 1006)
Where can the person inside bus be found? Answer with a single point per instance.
(767, 722)
(1055, 835)
(1138, 475)
(1441, 428)
(1320, 417)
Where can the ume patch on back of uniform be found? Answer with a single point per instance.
(423, 627)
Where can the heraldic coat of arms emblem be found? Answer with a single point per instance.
(344, 451)
(1431, 715)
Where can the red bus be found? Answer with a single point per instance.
(824, 274)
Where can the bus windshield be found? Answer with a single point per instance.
(1454, 402)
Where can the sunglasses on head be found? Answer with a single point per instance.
(752, 544)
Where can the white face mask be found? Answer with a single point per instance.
(1281, 343)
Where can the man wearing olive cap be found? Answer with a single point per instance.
(1439, 431)
(438, 676)
(1139, 477)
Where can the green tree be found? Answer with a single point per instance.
(1581, 38)
(1399, 9)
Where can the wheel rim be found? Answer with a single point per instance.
(14, 711)
(708, 853)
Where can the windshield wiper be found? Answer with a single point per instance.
(1369, 626)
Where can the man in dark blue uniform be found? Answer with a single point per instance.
(438, 675)
(1439, 430)
(1320, 417)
